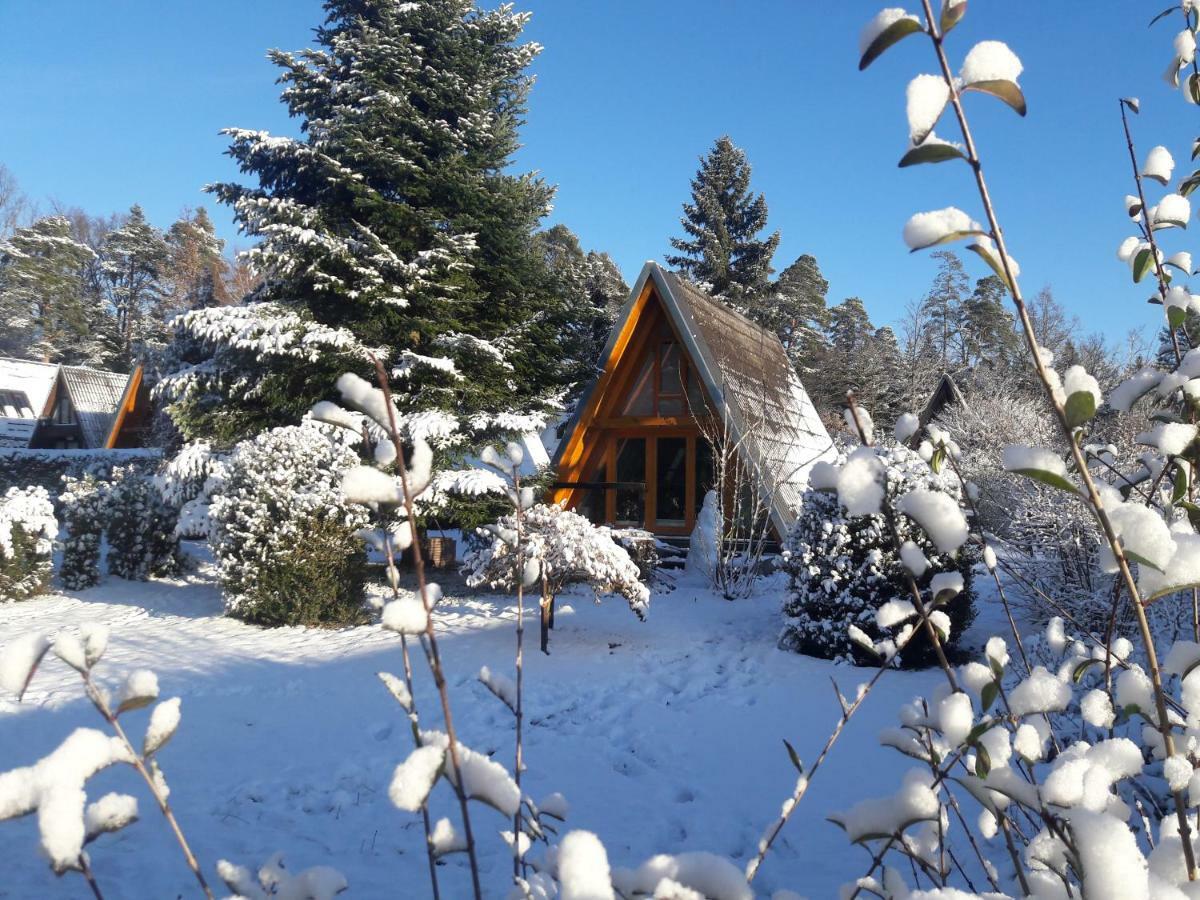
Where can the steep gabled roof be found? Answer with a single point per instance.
(945, 393)
(750, 381)
(96, 396)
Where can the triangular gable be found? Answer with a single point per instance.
(745, 374)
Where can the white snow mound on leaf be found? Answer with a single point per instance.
(990, 61)
(927, 228)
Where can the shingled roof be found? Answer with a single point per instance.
(750, 380)
(96, 395)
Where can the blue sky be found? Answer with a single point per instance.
(106, 104)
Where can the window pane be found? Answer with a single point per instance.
(641, 393)
(671, 494)
(704, 471)
(631, 467)
(671, 380)
(591, 504)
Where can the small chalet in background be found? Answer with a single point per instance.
(634, 453)
(945, 393)
(48, 406)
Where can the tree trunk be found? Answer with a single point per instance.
(547, 616)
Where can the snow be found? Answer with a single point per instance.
(407, 615)
(1178, 772)
(482, 778)
(885, 19)
(112, 812)
(446, 839)
(163, 722)
(500, 685)
(913, 558)
(1181, 260)
(860, 483)
(706, 874)
(928, 228)
(907, 424)
(703, 547)
(140, 688)
(1019, 458)
(946, 583)
(1077, 380)
(366, 398)
(823, 477)
(860, 417)
(368, 485)
(19, 658)
(583, 871)
(1158, 165)
(926, 96)
(1185, 46)
(1143, 533)
(1173, 208)
(1134, 688)
(1039, 693)
(914, 802)
(1135, 386)
(894, 612)
(1096, 707)
(990, 61)
(1114, 868)
(290, 740)
(1127, 249)
(1171, 438)
(939, 515)
(414, 778)
(955, 717)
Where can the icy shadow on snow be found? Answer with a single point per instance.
(189, 597)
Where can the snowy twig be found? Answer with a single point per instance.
(1091, 493)
(154, 780)
(435, 660)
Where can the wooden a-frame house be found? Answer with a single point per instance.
(678, 366)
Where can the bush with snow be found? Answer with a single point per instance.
(139, 527)
(284, 534)
(27, 532)
(843, 568)
(187, 480)
(558, 547)
(84, 509)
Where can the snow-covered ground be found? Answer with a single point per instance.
(665, 736)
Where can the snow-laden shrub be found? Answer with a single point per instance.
(284, 534)
(187, 481)
(27, 532)
(558, 547)
(139, 527)
(844, 568)
(84, 510)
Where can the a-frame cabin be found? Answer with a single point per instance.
(678, 365)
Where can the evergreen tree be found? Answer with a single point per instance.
(795, 310)
(987, 325)
(42, 298)
(723, 251)
(850, 327)
(942, 307)
(589, 286)
(392, 225)
(849, 338)
(133, 263)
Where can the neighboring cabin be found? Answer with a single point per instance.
(47, 406)
(634, 453)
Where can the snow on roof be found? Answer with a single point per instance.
(96, 395)
(30, 382)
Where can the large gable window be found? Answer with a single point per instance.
(664, 385)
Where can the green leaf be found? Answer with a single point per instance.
(1080, 407)
(930, 153)
(1162, 15)
(1172, 589)
(1176, 316)
(1180, 485)
(1193, 87)
(794, 756)
(993, 261)
(1080, 670)
(951, 15)
(1189, 184)
(950, 237)
(1195, 148)
(938, 460)
(1051, 478)
(1143, 262)
(1002, 89)
(988, 695)
(997, 668)
(1139, 559)
(983, 762)
(980, 730)
(894, 33)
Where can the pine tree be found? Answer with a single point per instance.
(942, 307)
(795, 310)
(42, 299)
(723, 251)
(848, 344)
(606, 284)
(987, 325)
(392, 225)
(133, 263)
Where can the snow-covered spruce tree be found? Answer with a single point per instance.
(723, 250)
(83, 506)
(393, 224)
(133, 265)
(557, 548)
(794, 308)
(844, 567)
(139, 526)
(284, 535)
(187, 481)
(27, 532)
(42, 299)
